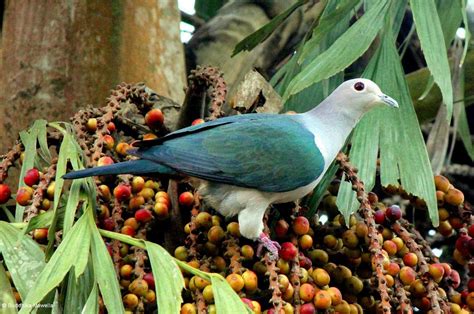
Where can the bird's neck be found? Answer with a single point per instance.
(331, 123)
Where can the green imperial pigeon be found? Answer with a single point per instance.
(243, 163)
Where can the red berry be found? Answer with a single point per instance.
(5, 193)
(462, 244)
(111, 127)
(150, 280)
(128, 230)
(470, 285)
(307, 308)
(24, 195)
(281, 228)
(122, 192)
(108, 224)
(32, 177)
(288, 251)
(154, 119)
(470, 230)
(393, 213)
(379, 216)
(197, 121)
(143, 215)
(301, 225)
(104, 161)
(454, 279)
(186, 199)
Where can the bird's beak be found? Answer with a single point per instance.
(388, 101)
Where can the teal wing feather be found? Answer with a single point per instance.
(273, 153)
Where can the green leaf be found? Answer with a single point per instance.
(28, 138)
(41, 221)
(43, 140)
(207, 9)
(104, 270)
(467, 40)
(315, 199)
(23, 257)
(252, 40)
(433, 44)
(327, 23)
(79, 289)
(402, 148)
(72, 203)
(73, 251)
(169, 281)
(7, 299)
(92, 304)
(351, 45)
(465, 134)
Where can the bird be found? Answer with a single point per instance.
(242, 164)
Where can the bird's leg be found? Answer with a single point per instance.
(270, 245)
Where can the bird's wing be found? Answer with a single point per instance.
(273, 153)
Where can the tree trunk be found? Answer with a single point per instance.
(63, 55)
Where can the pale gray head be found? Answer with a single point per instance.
(361, 95)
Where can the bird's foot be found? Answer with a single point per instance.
(271, 246)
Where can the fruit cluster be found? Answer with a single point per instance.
(378, 260)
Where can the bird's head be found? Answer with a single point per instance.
(363, 95)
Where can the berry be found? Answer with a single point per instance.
(143, 215)
(379, 216)
(91, 125)
(128, 230)
(111, 127)
(109, 141)
(5, 193)
(40, 234)
(336, 296)
(126, 271)
(24, 195)
(161, 210)
(138, 287)
(393, 213)
(288, 251)
(410, 259)
(436, 271)
(236, 282)
(188, 308)
(305, 242)
(130, 301)
(154, 119)
(197, 121)
(321, 277)
(454, 197)
(138, 183)
(350, 239)
(104, 161)
(32, 177)
(307, 308)
(301, 225)
(407, 275)
(208, 294)
(136, 202)
(441, 183)
(108, 224)
(281, 228)
(462, 244)
(216, 234)
(307, 292)
(250, 280)
(204, 220)
(186, 199)
(122, 192)
(150, 280)
(470, 230)
(322, 300)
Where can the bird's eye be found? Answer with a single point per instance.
(359, 86)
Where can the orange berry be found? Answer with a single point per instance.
(407, 275)
(336, 296)
(454, 197)
(322, 300)
(321, 277)
(301, 225)
(250, 280)
(307, 292)
(441, 183)
(410, 259)
(305, 242)
(236, 282)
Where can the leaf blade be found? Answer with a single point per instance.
(433, 44)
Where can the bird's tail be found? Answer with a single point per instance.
(139, 166)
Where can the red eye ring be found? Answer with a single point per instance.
(359, 86)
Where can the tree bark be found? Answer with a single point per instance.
(59, 56)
